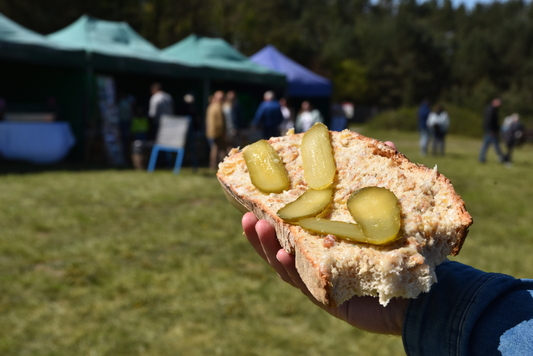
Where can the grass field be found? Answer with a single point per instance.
(111, 262)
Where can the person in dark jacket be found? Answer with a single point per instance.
(268, 115)
(491, 131)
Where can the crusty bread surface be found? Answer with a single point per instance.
(434, 220)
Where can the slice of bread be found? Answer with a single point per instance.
(434, 220)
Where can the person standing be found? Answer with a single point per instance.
(512, 132)
(161, 103)
(288, 121)
(438, 123)
(423, 130)
(215, 130)
(307, 117)
(226, 110)
(268, 115)
(237, 119)
(491, 131)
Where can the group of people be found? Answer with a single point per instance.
(511, 131)
(225, 124)
(432, 125)
(138, 124)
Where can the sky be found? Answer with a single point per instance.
(469, 4)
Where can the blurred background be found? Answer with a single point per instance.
(99, 257)
(378, 57)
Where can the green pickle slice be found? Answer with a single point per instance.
(317, 157)
(341, 229)
(377, 211)
(309, 204)
(266, 168)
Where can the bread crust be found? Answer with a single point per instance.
(434, 219)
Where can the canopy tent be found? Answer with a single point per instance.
(301, 82)
(220, 61)
(115, 46)
(20, 44)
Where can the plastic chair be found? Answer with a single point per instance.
(171, 137)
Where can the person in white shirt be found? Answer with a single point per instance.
(438, 124)
(161, 103)
(288, 121)
(307, 117)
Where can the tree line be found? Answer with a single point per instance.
(388, 54)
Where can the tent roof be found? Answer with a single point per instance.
(104, 37)
(301, 81)
(11, 31)
(116, 46)
(20, 43)
(221, 60)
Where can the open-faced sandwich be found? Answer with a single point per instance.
(360, 218)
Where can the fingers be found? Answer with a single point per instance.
(271, 247)
(248, 225)
(288, 262)
(262, 237)
(391, 144)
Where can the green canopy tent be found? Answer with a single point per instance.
(221, 62)
(20, 44)
(115, 46)
(40, 76)
(115, 49)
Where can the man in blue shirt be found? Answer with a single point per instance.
(269, 116)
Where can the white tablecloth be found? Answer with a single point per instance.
(37, 142)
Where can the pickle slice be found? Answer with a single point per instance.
(311, 203)
(317, 157)
(266, 168)
(377, 211)
(341, 229)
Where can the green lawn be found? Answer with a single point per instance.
(118, 262)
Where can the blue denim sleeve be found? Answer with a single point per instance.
(470, 312)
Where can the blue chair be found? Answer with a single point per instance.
(171, 137)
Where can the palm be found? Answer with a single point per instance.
(362, 312)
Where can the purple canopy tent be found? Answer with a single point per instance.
(301, 81)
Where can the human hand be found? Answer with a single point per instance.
(362, 312)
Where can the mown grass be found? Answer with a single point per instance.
(129, 263)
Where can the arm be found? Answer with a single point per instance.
(445, 121)
(298, 124)
(258, 115)
(210, 123)
(431, 120)
(152, 109)
(468, 312)
(362, 312)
